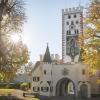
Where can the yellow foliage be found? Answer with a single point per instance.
(88, 41)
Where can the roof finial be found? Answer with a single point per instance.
(80, 3)
(47, 44)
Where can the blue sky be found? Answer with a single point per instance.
(44, 25)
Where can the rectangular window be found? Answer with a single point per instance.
(36, 79)
(36, 89)
(45, 89)
(51, 89)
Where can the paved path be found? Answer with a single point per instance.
(69, 98)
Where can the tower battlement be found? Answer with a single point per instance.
(72, 10)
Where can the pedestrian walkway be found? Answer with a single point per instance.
(70, 98)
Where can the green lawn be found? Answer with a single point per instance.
(15, 92)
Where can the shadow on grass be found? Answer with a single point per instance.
(9, 98)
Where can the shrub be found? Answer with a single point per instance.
(10, 85)
(24, 86)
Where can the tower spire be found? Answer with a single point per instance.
(47, 57)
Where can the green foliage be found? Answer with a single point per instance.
(9, 85)
(24, 86)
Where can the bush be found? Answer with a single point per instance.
(10, 85)
(24, 86)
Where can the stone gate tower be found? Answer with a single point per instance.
(72, 26)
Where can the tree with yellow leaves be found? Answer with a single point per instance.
(90, 39)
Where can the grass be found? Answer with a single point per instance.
(15, 92)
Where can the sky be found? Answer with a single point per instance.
(44, 25)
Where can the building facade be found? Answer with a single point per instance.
(51, 78)
(72, 26)
(55, 77)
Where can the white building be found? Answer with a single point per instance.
(72, 26)
(54, 79)
(59, 78)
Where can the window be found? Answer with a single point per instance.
(36, 79)
(36, 89)
(45, 89)
(69, 16)
(68, 32)
(67, 23)
(76, 31)
(72, 23)
(83, 72)
(44, 72)
(51, 89)
(77, 22)
(72, 27)
(75, 16)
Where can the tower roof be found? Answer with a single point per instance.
(47, 57)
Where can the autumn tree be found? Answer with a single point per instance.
(90, 39)
(12, 55)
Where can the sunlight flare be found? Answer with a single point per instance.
(15, 38)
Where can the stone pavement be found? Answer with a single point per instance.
(70, 98)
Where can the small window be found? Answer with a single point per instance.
(38, 78)
(67, 23)
(69, 16)
(44, 72)
(77, 31)
(83, 72)
(67, 32)
(72, 27)
(75, 16)
(45, 89)
(72, 23)
(36, 89)
(51, 89)
(77, 22)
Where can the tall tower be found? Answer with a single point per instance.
(72, 26)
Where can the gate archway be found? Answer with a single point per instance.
(64, 87)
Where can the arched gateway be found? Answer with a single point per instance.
(64, 87)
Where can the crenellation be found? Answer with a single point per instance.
(73, 10)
